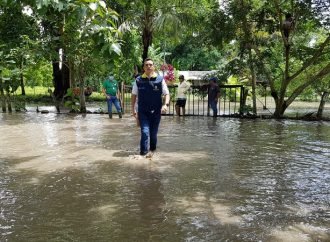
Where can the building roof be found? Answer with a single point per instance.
(196, 75)
(197, 78)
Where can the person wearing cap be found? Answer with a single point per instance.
(111, 92)
(183, 88)
(214, 94)
(148, 91)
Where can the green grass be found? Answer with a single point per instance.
(40, 94)
(30, 91)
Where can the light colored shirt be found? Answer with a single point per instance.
(183, 88)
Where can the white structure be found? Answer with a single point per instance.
(197, 77)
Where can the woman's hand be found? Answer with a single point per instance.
(164, 109)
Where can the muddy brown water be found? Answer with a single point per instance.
(78, 178)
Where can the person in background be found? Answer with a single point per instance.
(214, 94)
(181, 100)
(135, 75)
(147, 91)
(111, 92)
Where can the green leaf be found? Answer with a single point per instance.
(103, 4)
(116, 48)
(68, 104)
(60, 6)
(69, 93)
(93, 6)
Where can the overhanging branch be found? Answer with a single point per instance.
(309, 62)
(324, 72)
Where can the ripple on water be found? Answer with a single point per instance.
(219, 179)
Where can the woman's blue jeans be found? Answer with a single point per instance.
(113, 100)
(214, 106)
(149, 123)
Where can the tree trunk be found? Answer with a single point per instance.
(147, 32)
(324, 98)
(61, 79)
(280, 107)
(248, 39)
(280, 103)
(82, 96)
(8, 99)
(254, 83)
(57, 80)
(245, 95)
(72, 78)
(22, 80)
(147, 41)
(2, 96)
(82, 99)
(3, 100)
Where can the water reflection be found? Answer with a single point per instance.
(79, 178)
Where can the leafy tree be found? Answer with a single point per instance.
(24, 55)
(154, 18)
(17, 30)
(124, 66)
(321, 88)
(285, 56)
(192, 54)
(9, 81)
(75, 33)
(324, 89)
(296, 50)
(39, 73)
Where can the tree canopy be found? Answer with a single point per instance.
(284, 44)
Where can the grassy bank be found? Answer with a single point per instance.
(41, 95)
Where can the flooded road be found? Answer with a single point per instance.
(78, 178)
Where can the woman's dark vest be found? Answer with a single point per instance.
(149, 93)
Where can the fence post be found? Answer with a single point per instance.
(121, 97)
(208, 101)
(241, 101)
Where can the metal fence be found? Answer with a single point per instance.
(230, 101)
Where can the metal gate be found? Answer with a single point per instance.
(230, 102)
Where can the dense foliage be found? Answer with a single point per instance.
(76, 43)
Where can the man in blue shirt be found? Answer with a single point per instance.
(148, 90)
(214, 94)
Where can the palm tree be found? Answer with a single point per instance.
(150, 16)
